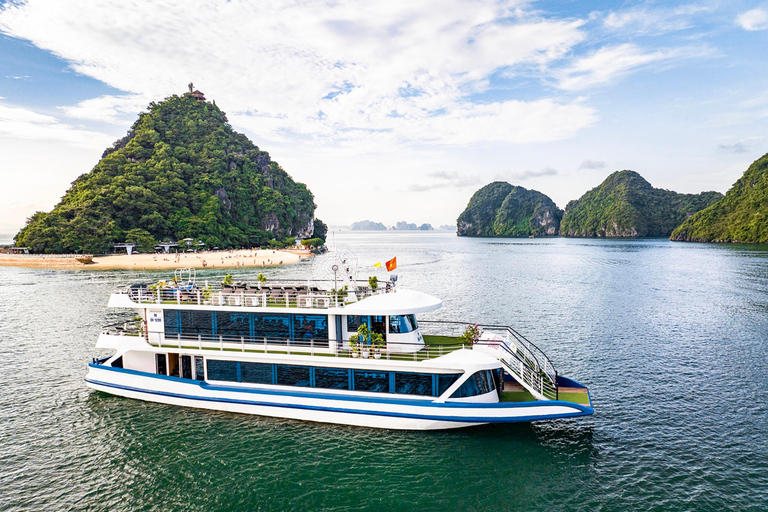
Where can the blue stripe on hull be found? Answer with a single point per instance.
(583, 411)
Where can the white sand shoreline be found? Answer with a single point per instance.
(204, 259)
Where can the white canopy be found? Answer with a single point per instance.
(398, 302)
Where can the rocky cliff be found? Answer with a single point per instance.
(501, 209)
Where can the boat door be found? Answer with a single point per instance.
(186, 367)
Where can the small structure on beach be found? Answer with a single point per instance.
(128, 246)
(166, 246)
(12, 249)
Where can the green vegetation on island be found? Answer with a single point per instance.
(501, 209)
(740, 216)
(181, 172)
(626, 205)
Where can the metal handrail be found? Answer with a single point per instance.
(521, 358)
(299, 294)
(530, 365)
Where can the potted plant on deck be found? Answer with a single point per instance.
(471, 334)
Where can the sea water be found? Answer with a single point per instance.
(669, 337)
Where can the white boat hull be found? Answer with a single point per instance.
(321, 405)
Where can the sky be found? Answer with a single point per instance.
(395, 110)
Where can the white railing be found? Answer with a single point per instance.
(297, 295)
(526, 362)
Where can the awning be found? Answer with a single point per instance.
(398, 302)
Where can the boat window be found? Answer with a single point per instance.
(171, 321)
(256, 373)
(374, 322)
(199, 371)
(186, 367)
(353, 322)
(377, 324)
(292, 375)
(444, 381)
(310, 327)
(233, 324)
(160, 362)
(478, 383)
(195, 322)
(222, 370)
(401, 324)
(274, 326)
(332, 378)
(413, 383)
(366, 380)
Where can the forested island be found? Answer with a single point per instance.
(501, 209)
(626, 205)
(180, 172)
(740, 216)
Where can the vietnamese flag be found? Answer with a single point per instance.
(391, 264)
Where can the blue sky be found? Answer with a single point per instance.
(398, 110)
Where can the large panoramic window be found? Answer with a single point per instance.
(478, 383)
(256, 373)
(310, 327)
(231, 324)
(288, 375)
(406, 383)
(222, 370)
(413, 383)
(367, 380)
(196, 322)
(401, 324)
(250, 327)
(332, 378)
(446, 380)
(276, 326)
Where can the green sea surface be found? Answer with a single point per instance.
(670, 338)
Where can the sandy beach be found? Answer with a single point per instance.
(207, 259)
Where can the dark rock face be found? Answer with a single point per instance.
(626, 205)
(501, 209)
(224, 198)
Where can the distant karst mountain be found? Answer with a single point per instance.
(180, 172)
(501, 209)
(626, 205)
(367, 225)
(740, 216)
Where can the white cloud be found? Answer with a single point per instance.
(592, 164)
(611, 63)
(20, 123)
(756, 19)
(525, 175)
(330, 72)
(444, 179)
(110, 109)
(645, 19)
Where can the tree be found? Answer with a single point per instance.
(142, 237)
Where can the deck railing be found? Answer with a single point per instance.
(286, 294)
(521, 358)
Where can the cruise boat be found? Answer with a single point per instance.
(314, 351)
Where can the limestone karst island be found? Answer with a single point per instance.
(181, 178)
(625, 205)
